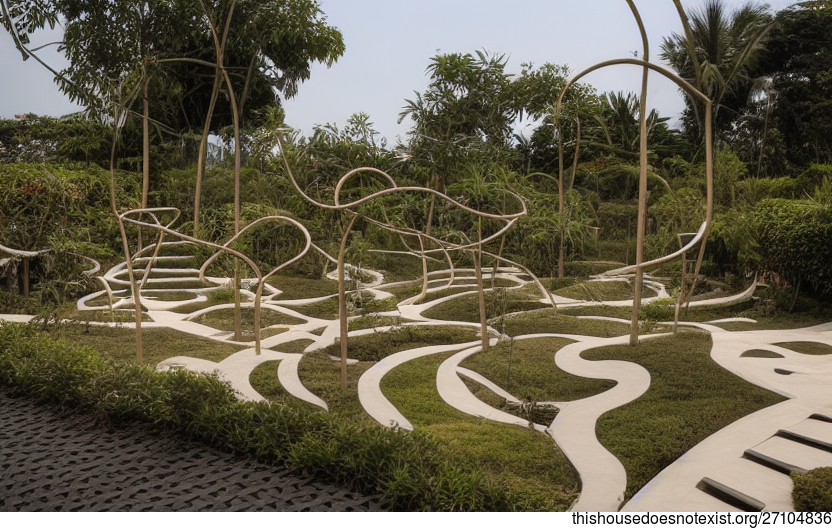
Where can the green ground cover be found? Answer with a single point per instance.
(497, 302)
(293, 287)
(550, 321)
(158, 344)
(527, 370)
(602, 291)
(223, 319)
(690, 397)
(524, 458)
(373, 347)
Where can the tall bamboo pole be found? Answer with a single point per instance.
(642, 182)
(342, 301)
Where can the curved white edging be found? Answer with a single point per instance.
(487, 383)
(603, 478)
(369, 384)
(719, 456)
(237, 368)
(456, 394)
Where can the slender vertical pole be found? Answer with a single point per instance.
(642, 182)
(477, 253)
(342, 302)
(25, 276)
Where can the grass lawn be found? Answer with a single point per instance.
(322, 376)
(223, 319)
(690, 397)
(496, 303)
(373, 322)
(294, 287)
(526, 459)
(158, 344)
(549, 321)
(326, 309)
(602, 291)
(264, 380)
(373, 347)
(527, 370)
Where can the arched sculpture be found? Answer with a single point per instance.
(702, 235)
(442, 246)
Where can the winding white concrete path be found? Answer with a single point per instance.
(603, 478)
(804, 379)
(236, 370)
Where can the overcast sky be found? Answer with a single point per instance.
(389, 44)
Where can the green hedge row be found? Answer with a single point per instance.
(411, 469)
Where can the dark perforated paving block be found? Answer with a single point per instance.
(50, 462)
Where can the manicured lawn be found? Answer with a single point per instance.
(527, 370)
(550, 321)
(373, 347)
(223, 319)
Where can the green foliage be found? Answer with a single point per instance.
(812, 492)
(526, 368)
(799, 63)
(789, 237)
(40, 139)
(753, 190)
(617, 220)
(524, 460)
(816, 174)
(794, 241)
(690, 397)
(661, 310)
(409, 468)
(728, 170)
(727, 47)
(680, 212)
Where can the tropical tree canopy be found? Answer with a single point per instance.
(726, 48)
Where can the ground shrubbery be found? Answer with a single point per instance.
(409, 468)
(813, 491)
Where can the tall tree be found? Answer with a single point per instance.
(729, 46)
(799, 63)
(468, 108)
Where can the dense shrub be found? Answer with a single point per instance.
(788, 237)
(813, 491)
(410, 468)
(793, 237)
(754, 190)
(816, 174)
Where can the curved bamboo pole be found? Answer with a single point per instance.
(693, 91)
(225, 248)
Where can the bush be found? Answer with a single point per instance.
(753, 190)
(815, 174)
(413, 470)
(661, 310)
(813, 491)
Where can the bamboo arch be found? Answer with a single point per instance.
(702, 234)
(443, 246)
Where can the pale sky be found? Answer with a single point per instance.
(389, 44)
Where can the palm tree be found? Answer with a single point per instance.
(721, 60)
